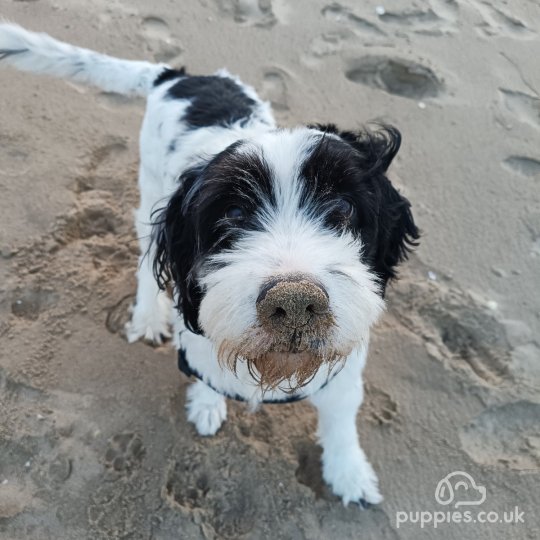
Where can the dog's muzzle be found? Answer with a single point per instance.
(293, 305)
(293, 337)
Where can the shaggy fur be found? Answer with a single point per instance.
(234, 209)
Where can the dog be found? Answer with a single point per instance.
(278, 244)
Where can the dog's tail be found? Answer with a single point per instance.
(40, 53)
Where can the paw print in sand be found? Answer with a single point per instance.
(124, 453)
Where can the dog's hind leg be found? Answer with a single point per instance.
(205, 408)
(152, 311)
(345, 466)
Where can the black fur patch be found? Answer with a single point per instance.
(353, 168)
(169, 74)
(194, 225)
(215, 101)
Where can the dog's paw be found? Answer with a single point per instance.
(205, 408)
(352, 478)
(150, 323)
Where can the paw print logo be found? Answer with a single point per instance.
(459, 488)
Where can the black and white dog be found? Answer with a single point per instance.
(279, 243)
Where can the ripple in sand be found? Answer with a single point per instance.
(446, 9)
(524, 107)
(342, 15)
(13, 156)
(250, 12)
(410, 18)
(498, 22)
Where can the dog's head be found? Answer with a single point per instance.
(280, 247)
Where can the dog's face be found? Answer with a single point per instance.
(280, 248)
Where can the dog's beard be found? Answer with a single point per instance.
(278, 362)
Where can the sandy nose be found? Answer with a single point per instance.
(292, 301)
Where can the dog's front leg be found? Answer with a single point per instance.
(345, 466)
(205, 408)
(153, 308)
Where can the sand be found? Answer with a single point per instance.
(94, 442)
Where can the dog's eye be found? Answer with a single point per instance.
(235, 213)
(344, 209)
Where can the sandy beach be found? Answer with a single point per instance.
(94, 441)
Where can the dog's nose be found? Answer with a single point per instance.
(292, 301)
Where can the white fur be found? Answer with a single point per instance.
(205, 408)
(292, 241)
(345, 466)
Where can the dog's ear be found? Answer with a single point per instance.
(375, 149)
(397, 233)
(174, 241)
(395, 230)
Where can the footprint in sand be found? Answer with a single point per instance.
(250, 12)
(60, 468)
(524, 107)
(348, 27)
(156, 33)
(380, 406)
(186, 485)
(125, 452)
(101, 165)
(497, 22)
(474, 338)
(274, 88)
(155, 28)
(227, 501)
(309, 471)
(15, 391)
(95, 214)
(328, 43)
(506, 435)
(396, 76)
(29, 303)
(460, 330)
(27, 442)
(118, 315)
(523, 166)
